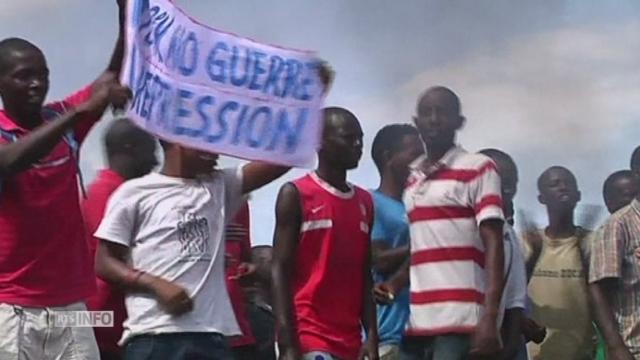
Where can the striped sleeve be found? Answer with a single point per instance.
(484, 193)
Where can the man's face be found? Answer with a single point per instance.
(410, 148)
(622, 192)
(342, 143)
(559, 190)
(24, 82)
(438, 118)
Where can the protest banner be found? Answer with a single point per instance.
(220, 92)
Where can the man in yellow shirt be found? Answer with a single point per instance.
(557, 259)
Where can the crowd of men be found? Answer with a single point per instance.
(426, 266)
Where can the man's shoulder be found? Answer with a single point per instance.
(624, 215)
(135, 188)
(472, 161)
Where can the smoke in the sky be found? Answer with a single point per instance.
(551, 82)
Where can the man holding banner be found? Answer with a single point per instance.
(41, 228)
(202, 92)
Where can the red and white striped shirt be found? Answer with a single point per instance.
(445, 205)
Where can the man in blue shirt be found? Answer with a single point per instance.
(394, 148)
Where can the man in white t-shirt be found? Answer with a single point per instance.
(162, 241)
(514, 296)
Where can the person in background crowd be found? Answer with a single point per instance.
(515, 291)
(238, 269)
(260, 312)
(41, 229)
(614, 275)
(454, 207)
(557, 259)
(321, 267)
(394, 148)
(619, 190)
(130, 154)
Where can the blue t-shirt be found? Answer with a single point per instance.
(390, 224)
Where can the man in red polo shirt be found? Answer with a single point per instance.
(44, 265)
(130, 154)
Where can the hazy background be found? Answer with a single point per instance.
(551, 82)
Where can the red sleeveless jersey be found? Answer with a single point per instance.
(328, 277)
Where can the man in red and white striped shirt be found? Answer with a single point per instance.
(454, 206)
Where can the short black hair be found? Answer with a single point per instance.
(10, 45)
(331, 113)
(498, 155)
(545, 173)
(120, 133)
(454, 97)
(611, 179)
(635, 160)
(389, 139)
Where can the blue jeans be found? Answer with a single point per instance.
(177, 346)
(445, 347)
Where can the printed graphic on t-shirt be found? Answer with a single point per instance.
(564, 273)
(194, 236)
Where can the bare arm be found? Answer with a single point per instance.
(21, 154)
(386, 260)
(491, 234)
(114, 67)
(257, 174)
(287, 231)
(604, 317)
(111, 266)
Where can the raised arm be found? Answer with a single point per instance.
(21, 154)
(285, 239)
(257, 174)
(114, 66)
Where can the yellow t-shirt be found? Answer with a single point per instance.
(559, 297)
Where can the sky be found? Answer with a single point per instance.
(552, 82)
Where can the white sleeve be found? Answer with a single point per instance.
(119, 218)
(515, 291)
(234, 198)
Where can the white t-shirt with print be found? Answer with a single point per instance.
(174, 228)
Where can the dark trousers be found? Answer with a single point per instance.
(445, 347)
(178, 346)
(246, 352)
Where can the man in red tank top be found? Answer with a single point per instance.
(321, 265)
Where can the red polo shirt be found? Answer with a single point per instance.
(106, 298)
(238, 250)
(43, 252)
